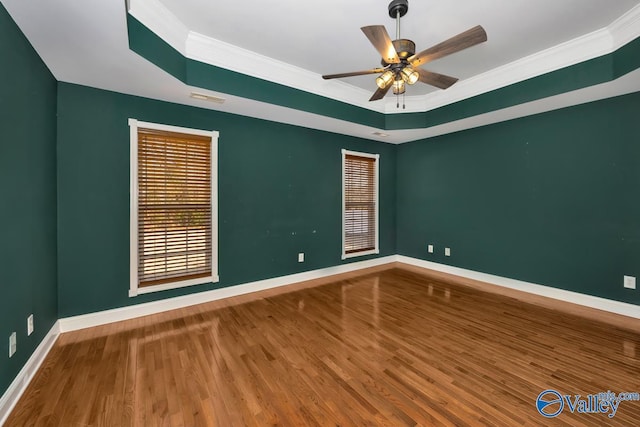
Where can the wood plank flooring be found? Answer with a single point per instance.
(392, 348)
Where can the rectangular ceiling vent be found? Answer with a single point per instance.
(209, 98)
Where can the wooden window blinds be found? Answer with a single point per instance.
(360, 204)
(174, 207)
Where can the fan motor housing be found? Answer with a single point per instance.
(404, 48)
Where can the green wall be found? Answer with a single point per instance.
(550, 199)
(279, 194)
(28, 194)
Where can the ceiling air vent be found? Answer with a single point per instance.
(209, 98)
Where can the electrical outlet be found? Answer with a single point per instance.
(430, 249)
(30, 324)
(301, 257)
(13, 345)
(629, 282)
(447, 251)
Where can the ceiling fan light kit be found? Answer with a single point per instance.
(383, 79)
(400, 62)
(409, 75)
(398, 87)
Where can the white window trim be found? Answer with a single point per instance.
(134, 289)
(377, 193)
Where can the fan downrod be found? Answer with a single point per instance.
(398, 6)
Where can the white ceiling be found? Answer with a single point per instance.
(86, 43)
(325, 37)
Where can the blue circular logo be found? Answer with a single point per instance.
(546, 401)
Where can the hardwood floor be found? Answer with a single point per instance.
(392, 348)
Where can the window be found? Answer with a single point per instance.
(173, 207)
(359, 204)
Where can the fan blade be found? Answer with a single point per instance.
(379, 38)
(354, 73)
(380, 93)
(434, 79)
(455, 44)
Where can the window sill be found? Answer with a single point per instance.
(173, 285)
(356, 254)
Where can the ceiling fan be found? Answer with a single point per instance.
(400, 63)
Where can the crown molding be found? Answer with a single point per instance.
(626, 28)
(578, 50)
(583, 48)
(160, 20)
(225, 55)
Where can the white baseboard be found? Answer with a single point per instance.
(124, 313)
(24, 377)
(604, 304)
(19, 385)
